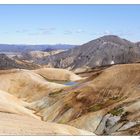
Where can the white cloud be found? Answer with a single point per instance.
(43, 31)
(80, 31)
(46, 31)
(22, 31)
(68, 32)
(107, 32)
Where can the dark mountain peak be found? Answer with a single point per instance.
(110, 37)
(106, 50)
(114, 38)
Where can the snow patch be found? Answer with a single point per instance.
(112, 62)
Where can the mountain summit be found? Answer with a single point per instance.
(102, 51)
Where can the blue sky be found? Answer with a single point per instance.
(69, 24)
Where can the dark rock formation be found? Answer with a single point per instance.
(103, 51)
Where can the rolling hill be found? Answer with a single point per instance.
(105, 104)
(18, 89)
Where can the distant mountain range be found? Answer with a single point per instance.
(25, 48)
(102, 51)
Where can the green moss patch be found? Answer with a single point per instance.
(116, 111)
(95, 107)
(55, 93)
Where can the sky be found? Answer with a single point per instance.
(67, 24)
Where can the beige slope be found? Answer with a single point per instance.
(41, 54)
(15, 119)
(108, 101)
(11, 104)
(26, 84)
(13, 124)
(57, 74)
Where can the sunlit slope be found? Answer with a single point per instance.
(26, 84)
(57, 74)
(13, 124)
(106, 104)
(11, 104)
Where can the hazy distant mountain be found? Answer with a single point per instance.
(34, 56)
(8, 63)
(99, 52)
(25, 48)
(138, 44)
